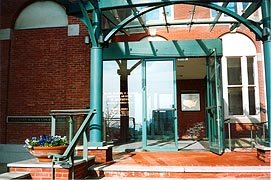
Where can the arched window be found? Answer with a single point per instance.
(240, 77)
(42, 14)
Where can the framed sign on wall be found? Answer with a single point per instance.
(190, 102)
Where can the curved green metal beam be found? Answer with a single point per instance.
(85, 19)
(128, 20)
(252, 26)
(249, 24)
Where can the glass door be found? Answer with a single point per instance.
(159, 105)
(214, 105)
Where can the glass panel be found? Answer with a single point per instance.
(232, 6)
(153, 15)
(214, 12)
(245, 5)
(160, 105)
(235, 101)
(234, 71)
(250, 70)
(122, 106)
(214, 106)
(135, 98)
(251, 97)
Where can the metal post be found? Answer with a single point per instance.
(267, 59)
(251, 137)
(53, 126)
(96, 81)
(70, 128)
(229, 130)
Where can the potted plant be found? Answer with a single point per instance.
(43, 145)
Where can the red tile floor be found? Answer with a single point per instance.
(188, 159)
(184, 165)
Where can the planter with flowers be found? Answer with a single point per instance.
(41, 146)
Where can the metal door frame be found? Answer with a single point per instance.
(214, 108)
(144, 106)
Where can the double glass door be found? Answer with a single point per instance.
(159, 105)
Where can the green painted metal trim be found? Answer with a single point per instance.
(215, 106)
(175, 103)
(250, 10)
(248, 23)
(267, 59)
(85, 19)
(252, 26)
(162, 49)
(75, 8)
(127, 20)
(144, 106)
(113, 4)
(96, 90)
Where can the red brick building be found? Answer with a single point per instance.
(45, 65)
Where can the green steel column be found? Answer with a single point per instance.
(267, 59)
(96, 89)
(96, 78)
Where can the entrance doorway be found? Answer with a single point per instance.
(161, 100)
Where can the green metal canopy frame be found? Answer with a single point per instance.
(100, 37)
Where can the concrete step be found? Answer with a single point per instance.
(213, 172)
(12, 175)
(125, 178)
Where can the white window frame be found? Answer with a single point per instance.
(245, 117)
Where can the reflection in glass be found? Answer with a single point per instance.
(160, 104)
(250, 72)
(235, 101)
(114, 100)
(234, 71)
(251, 98)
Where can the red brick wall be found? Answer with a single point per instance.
(4, 56)
(188, 120)
(183, 12)
(48, 70)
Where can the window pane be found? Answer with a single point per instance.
(251, 97)
(214, 12)
(168, 12)
(234, 71)
(245, 5)
(152, 15)
(250, 72)
(235, 101)
(232, 6)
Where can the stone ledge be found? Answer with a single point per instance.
(264, 148)
(94, 147)
(12, 175)
(182, 169)
(33, 163)
(102, 154)
(263, 153)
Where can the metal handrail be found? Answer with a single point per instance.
(69, 152)
(261, 126)
(257, 125)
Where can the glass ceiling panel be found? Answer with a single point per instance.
(167, 16)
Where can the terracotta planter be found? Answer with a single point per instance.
(41, 153)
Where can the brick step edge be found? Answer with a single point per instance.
(183, 169)
(13, 175)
